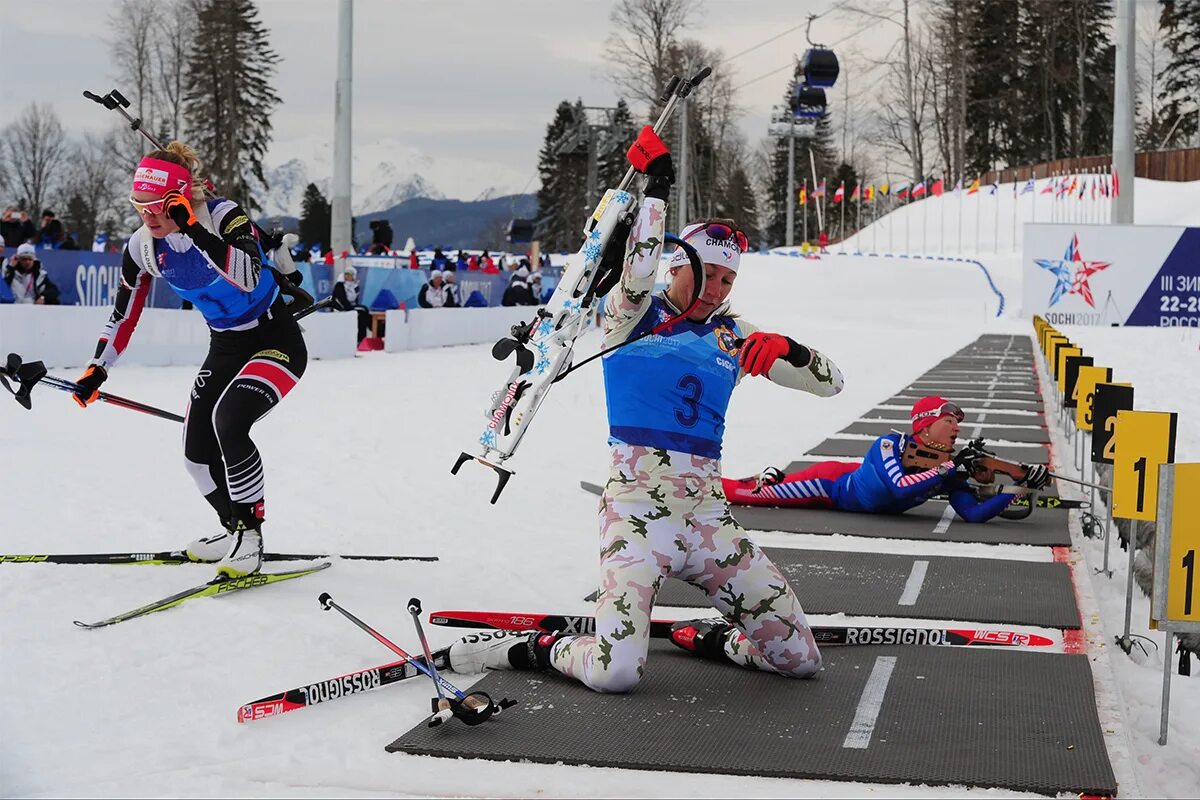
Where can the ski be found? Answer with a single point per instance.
(214, 587)
(176, 557)
(352, 683)
(825, 635)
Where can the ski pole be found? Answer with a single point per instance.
(444, 711)
(29, 374)
(327, 603)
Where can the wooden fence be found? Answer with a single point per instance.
(1159, 165)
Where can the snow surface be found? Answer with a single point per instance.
(358, 462)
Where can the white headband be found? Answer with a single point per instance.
(723, 252)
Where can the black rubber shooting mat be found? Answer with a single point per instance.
(974, 400)
(975, 379)
(945, 716)
(971, 390)
(930, 587)
(922, 522)
(857, 448)
(1028, 435)
(900, 418)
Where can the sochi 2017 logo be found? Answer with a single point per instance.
(1072, 273)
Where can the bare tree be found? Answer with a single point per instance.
(903, 116)
(134, 25)
(171, 38)
(93, 186)
(1150, 59)
(639, 47)
(32, 152)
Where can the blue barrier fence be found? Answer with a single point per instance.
(85, 278)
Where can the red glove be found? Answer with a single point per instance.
(759, 351)
(89, 386)
(179, 209)
(650, 156)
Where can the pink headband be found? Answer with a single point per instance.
(160, 177)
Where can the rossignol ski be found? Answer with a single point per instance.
(825, 635)
(352, 683)
(214, 587)
(543, 347)
(176, 557)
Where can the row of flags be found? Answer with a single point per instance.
(1079, 186)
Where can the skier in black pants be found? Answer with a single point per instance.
(208, 251)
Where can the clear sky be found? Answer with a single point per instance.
(462, 78)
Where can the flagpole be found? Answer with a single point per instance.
(1016, 204)
(804, 208)
(942, 217)
(961, 195)
(874, 227)
(842, 224)
(925, 222)
(908, 223)
(996, 238)
(858, 226)
(978, 205)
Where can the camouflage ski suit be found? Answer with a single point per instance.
(664, 512)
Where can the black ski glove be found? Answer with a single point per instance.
(966, 461)
(1036, 476)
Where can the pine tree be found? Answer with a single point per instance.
(1179, 95)
(738, 202)
(228, 99)
(316, 218)
(612, 161)
(993, 74)
(563, 173)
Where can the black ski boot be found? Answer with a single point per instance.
(704, 637)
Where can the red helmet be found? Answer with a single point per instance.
(929, 410)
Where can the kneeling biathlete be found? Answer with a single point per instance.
(882, 483)
(663, 513)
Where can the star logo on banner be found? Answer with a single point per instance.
(1072, 273)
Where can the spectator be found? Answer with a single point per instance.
(27, 281)
(16, 227)
(535, 286)
(452, 297)
(502, 263)
(433, 293)
(413, 261)
(473, 263)
(518, 292)
(439, 259)
(345, 298)
(487, 265)
(460, 263)
(381, 237)
(52, 233)
(823, 241)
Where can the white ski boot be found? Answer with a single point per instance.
(490, 650)
(244, 556)
(210, 549)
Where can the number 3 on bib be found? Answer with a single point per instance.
(692, 389)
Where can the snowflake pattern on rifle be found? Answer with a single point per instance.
(488, 439)
(542, 365)
(545, 326)
(591, 251)
(621, 197)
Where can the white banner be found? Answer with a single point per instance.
(1112, 275)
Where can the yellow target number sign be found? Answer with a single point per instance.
(1145, 440)
(1085, 393)
(1177, 547)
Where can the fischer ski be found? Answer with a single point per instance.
(352, 683)
(543, 348)
(214, 587)
(177, 557)
(824, 634)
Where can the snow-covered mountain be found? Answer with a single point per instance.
(384, 173)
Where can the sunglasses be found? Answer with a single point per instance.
(945, 409)
(152, 207)
(719, 230)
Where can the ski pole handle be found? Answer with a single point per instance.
(414, 607)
